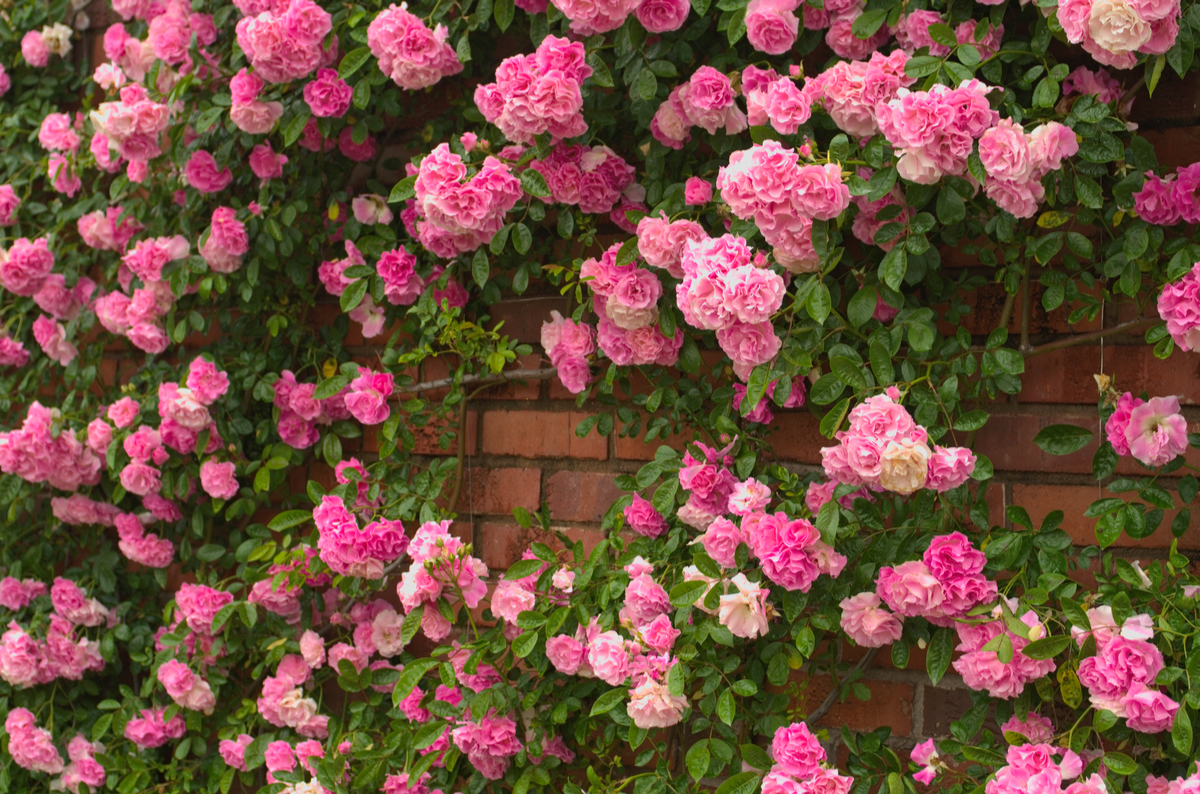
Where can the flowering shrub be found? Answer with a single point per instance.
(745, 206)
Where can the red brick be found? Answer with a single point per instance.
(1176, 146)
(1174, 99)
(580, 496)
(540, 434)
(497, 490)
(1066, 376)
(503, 544)
(428, 438)
(891, 704)
(637, 449)
(523, 317)
(1040, 500)
(796, 436)
(513, 390)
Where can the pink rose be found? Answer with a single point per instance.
(866, 622)
(28, 264)
(661, 16)
(328, 95)
(771, 25)
(910, 589)
(565, 653)
(1148, 710)
(651, 705)
(203, 174)
(218, 479)
(796, 750)
(608, 658)
(1157, 433)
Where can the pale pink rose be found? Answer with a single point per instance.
(866, 622)
(608, 658)
(219, 480)
(661, 16)
(651, 705)
(1004, 151)
(949, 467)
(312, 649)
(660, 634)
(1148, 710)
(565, 653)
(910, 589)
(1157, 432)
(1115, 26)
(744, 612)
(203, 174)
(34, 49)
(233, 752)
(771, 25)
(255, 118)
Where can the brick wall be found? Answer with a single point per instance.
(522, 451)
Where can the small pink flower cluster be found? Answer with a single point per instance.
(186, 688)
(283, 703)
(595, 178)
(1153, 432)
(912, 33)
(152, 730)
(353, 551)
(83, 767)
(408, 51)
(613, 659)
(103, 231)
(140, 317)
(851, 90)
(51, 337)
(34, 454)
(26, 265)
(1033, 767)
(766, 183)
(884, 449)
(801, 764)
(790, 551)
(285, 43)
(982, 669)
(727, 289)
(131, 57)
(370, 316)
(662, 243)
(300, 412)
(456, 215)
(9, 202)
(775, 99)
(1120, 675)
(31, 746)
(1114, 32)
(1168, 201)
(934, 131)
(626, 300)
(489, 744)
(706, 100)
(1099, 83)
(1160, 785)
(16, 594)
(762, 412)
(25, 662)
(251, 114)
(1178, 305)
(56, 133)
(132, 125)
(1016, 161)
(538, 93)
(281, 595)
(442, 569)
(170, 33)
(568, 344)
(589, 18)
(226, 243)
(946, 584)
(367, 400)
(38, 46)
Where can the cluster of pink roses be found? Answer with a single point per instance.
(26, 265)
(285, 42)
(538, 93)
(980, 664)
(1178, 305)
(772, 25)
(300, 412)
(226, 243)
(353, 551)
(153, 730)
(947, 583)
(849, 91)
(884, 449)
(456, 215)
(912, 33)
(25, 661)
(1114, 32)
(489, 744)
(38, 45)
(251, 114)
(1039, 767)
(443, 570)
(706, 100)
(935, 131)
(130, 58)
(132, 125)
(33, 453)
(1153, 432)
(625, 300)
(766, 183)
(370, 316)
(646, 658)
(1168, 200)
(568, 344)
(186, 688)
(283, 702)
(1016, 161)
(588, 19)
(408, 51)
(140, 317)
(801, 764)
(595, 178)
(31, 746)
(1120, 675)
(773, 98)
(106, 230)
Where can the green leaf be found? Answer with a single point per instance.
(937, 659)
(503, 11)
(330, 387)
(862, 306)
(869, 22)
(1181, 732)
(409, 678)
(534, 183)
(522, 569)
(283, 521)
(726, 707)
(606, 702)
(687, 592)
(403, 190)
(353, 61)
(1047, 647)
(950, 206)
(697, 760)
(645, 86)
(1120, 764)
(524, 643)
(849, 371)
(353, 295)
(819, 303)
(291, 132)
(894, 266)
(1062, 439)
(480, 266)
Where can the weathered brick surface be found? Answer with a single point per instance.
(497, 490)
(580, 496)
(540, 434)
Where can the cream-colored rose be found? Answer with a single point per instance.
(629, 319)
(905, 466)
(58, 38)
(1116, 26)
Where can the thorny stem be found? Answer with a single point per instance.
(827, 704)
(1025, 348)
(1129, 325)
